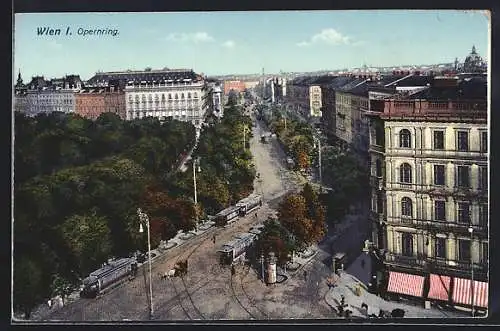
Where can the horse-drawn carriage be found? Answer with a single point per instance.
(180, 269)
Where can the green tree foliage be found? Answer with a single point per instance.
(275, 238)
(28, 273)
(224, 161)
(88, 239)
(348, 177)
(303, 216)
(78, 184)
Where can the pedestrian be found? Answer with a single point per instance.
(363, 263)
(305, 275)
(233, 271)
(255, 215)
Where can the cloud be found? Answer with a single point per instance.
(228, 44)
(329, 37)
(195, 37)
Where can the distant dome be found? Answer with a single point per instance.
(474, 62)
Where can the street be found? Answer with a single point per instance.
(208, 291)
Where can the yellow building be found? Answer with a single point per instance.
(430, 191)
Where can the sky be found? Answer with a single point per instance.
(217, 43)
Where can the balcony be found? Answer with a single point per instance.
(377, 182)
(376, 149)
(437, 265)
(439, 226)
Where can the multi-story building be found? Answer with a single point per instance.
(175, 93)
(234, 85)
(45, 96)
(303, 96)
(89, 103)
(430, 190)
(92, 102)
(328, 112)
(214, 100)
(251, 84)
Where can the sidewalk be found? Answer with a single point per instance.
(358, 276)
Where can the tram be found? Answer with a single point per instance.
(249, 204)
(236, 249)
(110, 273)
(227, 216)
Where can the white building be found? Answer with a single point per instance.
(175, 93)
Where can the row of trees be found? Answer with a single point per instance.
(295, 136)
(78, 184)
(341, 169)
(301, 222)
(226, 168)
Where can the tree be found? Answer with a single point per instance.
(348, 177)
(305, 223)
(27, 284)
(88, 239)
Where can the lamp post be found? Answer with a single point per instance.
(195, 163)
(471, 231)
(143, 217)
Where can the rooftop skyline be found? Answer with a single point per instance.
(218, 43)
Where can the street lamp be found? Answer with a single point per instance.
(143, 217)
(471, 231)
(196, 162)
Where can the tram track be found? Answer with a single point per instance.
(245, 294)
(186, 290)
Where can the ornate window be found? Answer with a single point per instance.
(407, 241)
(406, 207)
(405, 173)
(404, 138)
(440, 247)
(378, 165)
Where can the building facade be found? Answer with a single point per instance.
(45, 96)
(174, 93)
(92, 102)
(235, 85)
(431, 199)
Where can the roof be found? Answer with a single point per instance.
(469, 88)
(176, 75)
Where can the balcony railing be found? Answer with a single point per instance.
(435, 264)
(438, 226)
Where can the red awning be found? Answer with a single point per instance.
(439, 287)
(405, 284)
(462, 292)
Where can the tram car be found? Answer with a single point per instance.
(101, 279)
(235, 249)
(227, 216)
(249, 204)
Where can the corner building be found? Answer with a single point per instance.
(434, 215)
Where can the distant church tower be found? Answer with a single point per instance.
(19, 87)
